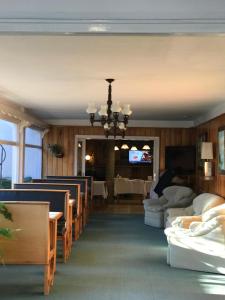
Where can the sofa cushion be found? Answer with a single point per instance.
(183, 202)
(213, 212)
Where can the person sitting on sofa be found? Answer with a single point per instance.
(165, 180)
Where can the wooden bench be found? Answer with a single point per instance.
(74, 190)
(58, 200)
(90, 185)
(35, 242)
(83, 188)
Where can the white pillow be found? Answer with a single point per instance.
(175, 192)
(213, 212)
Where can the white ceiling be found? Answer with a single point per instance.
(164, 77)
(108, 9)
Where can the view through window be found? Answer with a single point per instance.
(32, 154)
(8, 153)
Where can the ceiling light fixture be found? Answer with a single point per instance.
(124, 147)
(116, 148)
(110, 117)
(146, 147)
(134, 148)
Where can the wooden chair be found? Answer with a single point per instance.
(59, 201)
(34, 243)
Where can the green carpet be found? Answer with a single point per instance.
(116, 258)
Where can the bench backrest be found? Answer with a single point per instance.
(74, 189)
(29, 245)
(82, 182)
(89, 178)
(58, 199)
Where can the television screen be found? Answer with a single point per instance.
(181, 159)
(140, 157)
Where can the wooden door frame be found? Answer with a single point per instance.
(84, 137)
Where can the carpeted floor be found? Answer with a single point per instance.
(116, 258)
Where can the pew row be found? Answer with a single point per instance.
(35, 242)
(59, 202)
(74, 190)
(90, 185)
(83, 188)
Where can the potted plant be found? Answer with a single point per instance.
(56, 150)
(5, 232)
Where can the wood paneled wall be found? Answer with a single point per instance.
(65, 136)
(217, 184)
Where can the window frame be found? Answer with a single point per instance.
(33, 147)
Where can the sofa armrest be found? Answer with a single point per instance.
(149, 202)
(180, 211)
(176, 212)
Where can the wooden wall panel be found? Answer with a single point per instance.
(65, 136)
(217, 184)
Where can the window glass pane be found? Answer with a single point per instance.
(8, 165)
(33, 137)
(8, 131)
(32, 163)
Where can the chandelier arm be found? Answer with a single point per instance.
(125, 120)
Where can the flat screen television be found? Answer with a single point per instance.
(182, 159)
(140, 157)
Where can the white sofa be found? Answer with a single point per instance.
(200, 204)
(198, 245)
(173, 196)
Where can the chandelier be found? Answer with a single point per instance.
(113, 117)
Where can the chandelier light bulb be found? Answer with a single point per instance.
(106, 126)
(126, 110)
(116, 148)
(91, 108)
(116, 107)
(103, 111)
(122, 126)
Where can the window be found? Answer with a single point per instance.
(32, 154)
(8, 153)
(8, 131)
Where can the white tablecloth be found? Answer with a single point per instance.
(135, 186)
(100, 189)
